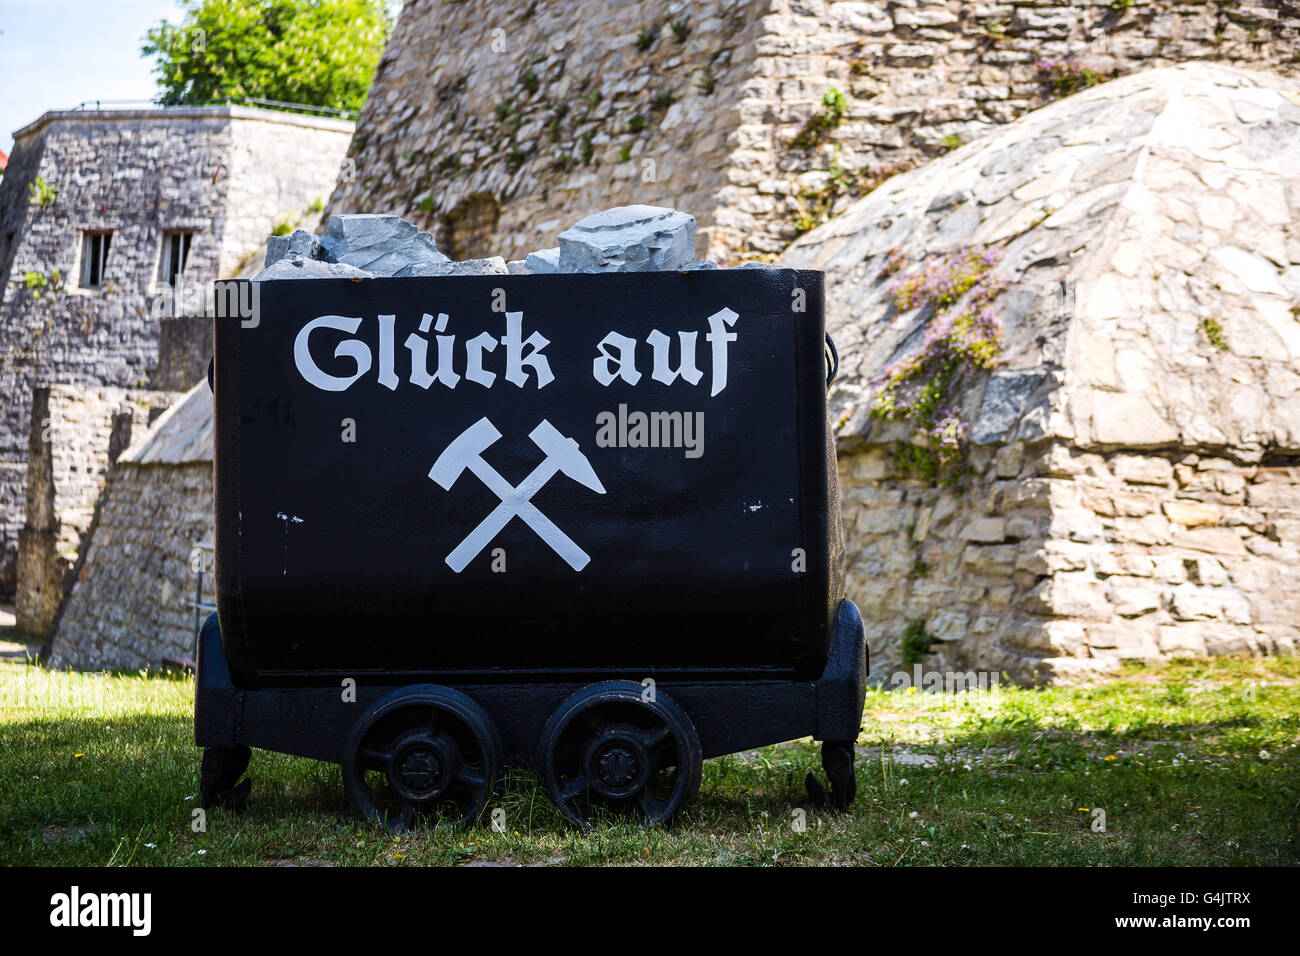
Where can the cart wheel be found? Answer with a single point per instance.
(219, 775)
(422, 755)
(607, 746)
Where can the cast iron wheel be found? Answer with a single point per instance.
(422, 755)
(608, 747)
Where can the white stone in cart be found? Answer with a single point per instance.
(298, 268)
(491, 266)
(543, 261)
(629, 239)
(382, 245)
(300, 243)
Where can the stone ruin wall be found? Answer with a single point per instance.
(76, 436)
(431, 147)
(131, 603)
(229, 173)
(1057, 563)
(452, 137)
(150, 519)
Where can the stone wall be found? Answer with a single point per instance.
(130, 604)
(548, 111)
(1125, 483)
(551, 110)
(1058, 564)
(230, 174)
(77, 434)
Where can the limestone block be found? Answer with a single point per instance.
(1191, 514)
(1142, 469)
(543, 261)
(949, 625)
(1130, 640)
(1130, 598)
(1181, 640)
(491, 266)
(1124, 418)
(985, 530)
(299, 243)
(298, 268)
(1071, 594)
(1207, 571)
(1190, 602)
(629, 239)
(382, 245)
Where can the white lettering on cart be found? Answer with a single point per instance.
(525, 356)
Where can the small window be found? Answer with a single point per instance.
(175, 253)
(94, 258)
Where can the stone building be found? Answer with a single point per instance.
(1129, 483)
(497, 125)
(107, 218)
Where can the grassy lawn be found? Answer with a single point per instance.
(1192, 763)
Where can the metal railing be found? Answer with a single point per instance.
(99, 105)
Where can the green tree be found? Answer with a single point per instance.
(314, 52)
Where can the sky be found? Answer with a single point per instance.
(56, 53)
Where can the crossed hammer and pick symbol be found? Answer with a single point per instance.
(465, 453)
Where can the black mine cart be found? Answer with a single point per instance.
(589, 523)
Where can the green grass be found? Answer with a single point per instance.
(1192, 764)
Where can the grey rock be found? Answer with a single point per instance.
(296, 267)
(629, 239)
(761, 265)
(517, 267)
(382, 245)
(700, 265)
(1005, 399)
(543, 261)
(300, 243)
(492, 266)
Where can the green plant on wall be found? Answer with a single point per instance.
(1066, 77)
(1212, 329)
(816, 204)
(821, 123)
(917, 641)
(954, 295)
(39, 284)
(40, 193)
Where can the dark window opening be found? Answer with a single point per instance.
(94, 258)
(175, 253)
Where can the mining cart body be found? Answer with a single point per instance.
(589, 523)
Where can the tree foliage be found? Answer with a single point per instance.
(313, 52)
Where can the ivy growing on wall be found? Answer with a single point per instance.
(955, 294)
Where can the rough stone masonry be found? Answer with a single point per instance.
(223, 176)
(1133, 456)
(493, 125)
